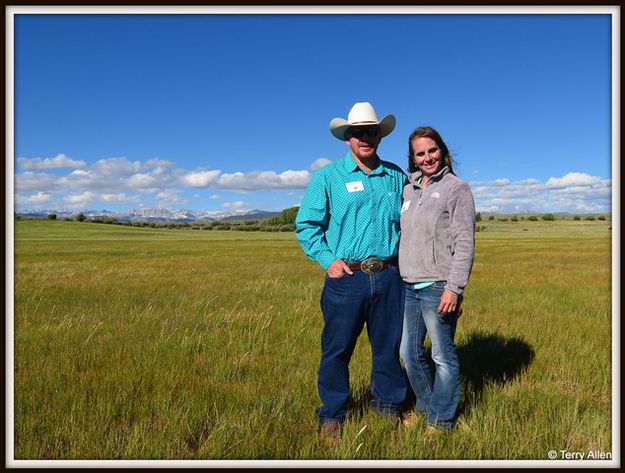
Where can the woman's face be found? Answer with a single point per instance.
(426, 155)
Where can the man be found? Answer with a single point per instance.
(349, 223)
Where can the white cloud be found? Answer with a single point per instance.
(36, 199)
(142, 181)
(574, 192)
(319, 163)
(116, 167)
(35, 182)
(158, 164)
(215, 197)
(59, 161)
(79, 200)
(170, 198)
(119, 198)
(263, 180)
(201, 178)
(239, 205)
(574, 179)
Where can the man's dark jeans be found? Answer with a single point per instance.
(347, 303)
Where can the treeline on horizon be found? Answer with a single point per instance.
(286, 221)
(283, 223)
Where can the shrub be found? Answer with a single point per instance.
(491, 218)
(502, 219)
(514, 218)
(601, 217)
(478, 217)
(577, 217)
(18, 217)
(548, 217)
(289, 215)
(249, 228)
(51, 216)
(109, 220)
(96, 220)
(274, 221)
(287, 228)
(590, 218)
(80, 217)
(533, 218)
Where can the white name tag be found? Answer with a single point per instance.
(355, 186)
(405, 206)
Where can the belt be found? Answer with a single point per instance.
(372, 265)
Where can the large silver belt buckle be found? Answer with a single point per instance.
(372, 265)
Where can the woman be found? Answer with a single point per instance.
(435, 260)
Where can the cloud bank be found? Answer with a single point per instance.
(63, 181)
(573, 192)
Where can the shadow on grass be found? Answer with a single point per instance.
(485, 358)
(359, 400)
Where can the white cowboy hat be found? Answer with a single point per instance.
(362, 114)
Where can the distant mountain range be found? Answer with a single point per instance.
(155, 215)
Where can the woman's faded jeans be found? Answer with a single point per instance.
(436, 395)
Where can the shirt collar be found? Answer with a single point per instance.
(350, 165)
(415, 176)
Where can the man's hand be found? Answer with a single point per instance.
(338, 268)
(449, 302)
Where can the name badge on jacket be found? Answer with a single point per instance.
(355, 186)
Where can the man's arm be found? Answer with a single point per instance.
(312, 222)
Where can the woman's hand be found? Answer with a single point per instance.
(449, 302)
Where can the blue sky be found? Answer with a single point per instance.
(223, 112)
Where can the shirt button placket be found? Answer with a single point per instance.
(372, 244)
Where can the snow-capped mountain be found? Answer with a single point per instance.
(154, 214)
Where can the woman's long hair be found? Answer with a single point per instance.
(431, 133)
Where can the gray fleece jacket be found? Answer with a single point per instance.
(437, 231)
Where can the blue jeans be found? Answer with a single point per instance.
(347, 303)
(436, 396)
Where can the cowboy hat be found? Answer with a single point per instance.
(362, 114)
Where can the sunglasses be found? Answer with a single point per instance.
(371, 132)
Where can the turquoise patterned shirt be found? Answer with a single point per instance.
(350, 214)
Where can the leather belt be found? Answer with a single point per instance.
(372, 265)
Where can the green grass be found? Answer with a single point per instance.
(136, 343)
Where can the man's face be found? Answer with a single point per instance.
(364, 141)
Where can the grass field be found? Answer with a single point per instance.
(135, 343)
